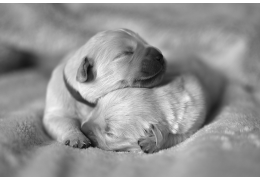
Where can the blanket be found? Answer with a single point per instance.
(35, 37)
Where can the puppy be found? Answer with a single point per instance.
(135, 119)
(110, 60)
(132, 119)
(126, 116)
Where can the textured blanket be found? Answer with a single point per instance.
(34, 38)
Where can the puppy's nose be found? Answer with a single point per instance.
(155, 54)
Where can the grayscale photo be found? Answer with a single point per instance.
(129, 89)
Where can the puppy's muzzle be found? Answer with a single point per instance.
(152, 64)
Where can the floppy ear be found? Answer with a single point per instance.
(85, 71)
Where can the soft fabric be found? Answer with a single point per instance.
(34, 38)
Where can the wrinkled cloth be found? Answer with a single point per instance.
(41, 34)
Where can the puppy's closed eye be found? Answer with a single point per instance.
(124, 53)
(108, 132)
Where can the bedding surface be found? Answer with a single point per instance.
(35, 37)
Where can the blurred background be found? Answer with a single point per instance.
(40, 35)
(52, 30)
(35, 37)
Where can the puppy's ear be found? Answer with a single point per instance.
(85, 72)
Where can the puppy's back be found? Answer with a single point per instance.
(183, 103)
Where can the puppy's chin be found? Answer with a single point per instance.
(151, 81)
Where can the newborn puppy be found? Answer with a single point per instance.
(132, 119)
(110, 60)
(153, 119)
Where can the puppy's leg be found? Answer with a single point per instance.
(60, 118)
(149, 143)
(154, 139)
(66, 130)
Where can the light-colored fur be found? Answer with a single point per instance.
(116, 57)
(132, 119)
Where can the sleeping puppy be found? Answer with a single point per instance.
(150, 117)
(110, 60)
(135, 119)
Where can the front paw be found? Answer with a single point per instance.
(152, 141)
(148, 144)
(77, 141)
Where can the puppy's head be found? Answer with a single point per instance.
(122, 117)
(112, 60)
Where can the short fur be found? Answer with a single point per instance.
(132, 119)
(110, 60)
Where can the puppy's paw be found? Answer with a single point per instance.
(148, 144)
(77, 141)
(152, 141)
